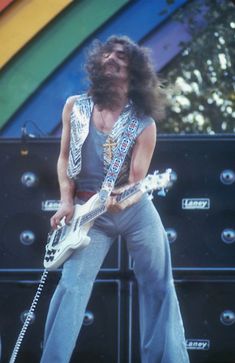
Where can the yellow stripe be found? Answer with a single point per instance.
(22, 21)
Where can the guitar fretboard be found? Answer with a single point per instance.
(128, 192)
(90, 216)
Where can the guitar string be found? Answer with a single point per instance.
(88, 217)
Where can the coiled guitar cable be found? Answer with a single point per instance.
(29, 317)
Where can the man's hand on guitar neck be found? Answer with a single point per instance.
(66, 211)
(115, 206)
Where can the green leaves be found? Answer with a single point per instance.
(202, 76)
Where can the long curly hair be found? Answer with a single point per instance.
(145, 89)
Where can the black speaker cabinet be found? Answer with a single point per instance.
(28, 181)
(208, 308)
(29, 196)
(100, 336)
(208, 312)
(198, 211)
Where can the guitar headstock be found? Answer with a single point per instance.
(157, 181)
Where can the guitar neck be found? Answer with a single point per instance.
(128, 193)
(92, 215)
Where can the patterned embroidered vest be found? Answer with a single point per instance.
(80, 119)
(79, 128)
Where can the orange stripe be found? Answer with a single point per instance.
(23, 20)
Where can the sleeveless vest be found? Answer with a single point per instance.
(79, 128)
(80, 120)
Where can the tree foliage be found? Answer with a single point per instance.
(201, 78)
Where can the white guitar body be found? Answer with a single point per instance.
(66, 238)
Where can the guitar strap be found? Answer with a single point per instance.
(123, 133)
(120, 153)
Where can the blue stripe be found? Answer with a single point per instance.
(45, 106)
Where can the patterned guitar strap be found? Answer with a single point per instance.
(121, 138)
(120, 153)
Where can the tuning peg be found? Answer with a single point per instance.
(150, 195)
(172, 177)
(161, 192)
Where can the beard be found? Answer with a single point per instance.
(105, 86)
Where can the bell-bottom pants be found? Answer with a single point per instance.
(161, 329)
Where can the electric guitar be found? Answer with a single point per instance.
(67, 237)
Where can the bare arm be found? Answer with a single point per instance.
(66, 185)
(142, 154)
(140, 161)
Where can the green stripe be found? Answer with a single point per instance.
(24, 74)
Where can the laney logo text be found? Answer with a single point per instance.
(195, 203)
(197, 344)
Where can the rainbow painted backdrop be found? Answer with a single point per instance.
(43, 44)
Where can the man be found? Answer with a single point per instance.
(123, 86)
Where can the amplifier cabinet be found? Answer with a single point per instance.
(29, 197)
(100, 337)
(198, 211)
(208, 312)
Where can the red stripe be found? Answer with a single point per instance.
(4, 4)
